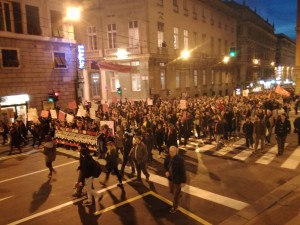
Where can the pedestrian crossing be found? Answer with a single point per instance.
(238, 151)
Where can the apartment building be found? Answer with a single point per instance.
(256, 45)
(137, 45)
(36, 55)
(285, 58)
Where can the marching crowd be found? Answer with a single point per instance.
(165, 125)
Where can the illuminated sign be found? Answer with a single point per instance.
(80, 56)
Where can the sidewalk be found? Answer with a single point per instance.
(281, 206)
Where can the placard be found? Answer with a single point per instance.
(182, 104)
(53, 114)
(44, 113)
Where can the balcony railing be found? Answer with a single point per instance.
(91, 54)
(111, 51)
(134, 50)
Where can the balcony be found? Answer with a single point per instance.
(93, 54)
(134, 50)
(111, 51)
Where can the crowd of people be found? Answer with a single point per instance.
(140, 128)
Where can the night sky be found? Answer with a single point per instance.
(282, 12)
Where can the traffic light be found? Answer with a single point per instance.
(51, 97)
(232, 52)
(119, 90)
(56, 96)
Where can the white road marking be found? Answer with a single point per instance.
(243, 155)
(293, 160)
(2, 199)
(62, 205)
(269, 155)
(200, 193)
(39, 171)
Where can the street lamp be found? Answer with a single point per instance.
(226, 59)
(185, 54)
(73, 13)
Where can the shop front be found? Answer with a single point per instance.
(14, 107)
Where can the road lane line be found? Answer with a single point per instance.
(39, 171)
(62, 205)
(183, 210)
(293, 160)
(2, 199)
(243, 155)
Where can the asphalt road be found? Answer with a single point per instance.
(220, 184)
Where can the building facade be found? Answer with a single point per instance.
(285, 58)
(148, 36)
(36, 55)
(256, 46)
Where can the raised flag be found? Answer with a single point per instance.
(282, 91)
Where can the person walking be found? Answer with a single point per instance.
(140, 157)
(176, 174)
(282, 129)
(15, 140)
(126, 156)
(112, 163)
(87, 167)
(297, 128)
(248, 131)
(259, 132)
(50, 154)
(219, 131)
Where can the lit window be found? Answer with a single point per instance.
(177, 79)
(163, 79)
(95, 84)
(187, 79)
(114, 80)
(160, 34)
(185, 39)
(195, 78)
(136, 81)
(176, 38)
(204, 77)
(59, 60)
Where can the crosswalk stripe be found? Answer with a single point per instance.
(293, 160)
(243, 155)
(269, 155)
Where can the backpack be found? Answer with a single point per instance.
(97, 169)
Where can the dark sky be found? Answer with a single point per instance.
(282, 12)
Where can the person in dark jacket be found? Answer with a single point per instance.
(3, 131)
(282, 129)
(140, 157)
(297, 128)
(50, 154)
(112, 163)
(126, 156)
(219, 131)
(159, 137)
(176, 174)
(149, 142)
(248, 131)
(15, 139)
(86, 165)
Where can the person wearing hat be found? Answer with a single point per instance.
(50, 154)
(112, 163)
(282, 129)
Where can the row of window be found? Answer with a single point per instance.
(204, 13)
(10, 58)
(133, 34)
